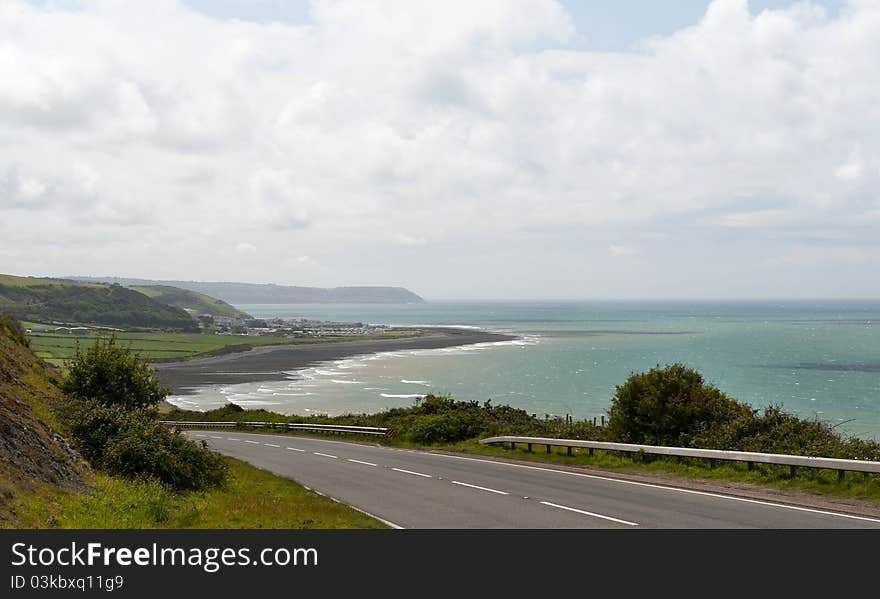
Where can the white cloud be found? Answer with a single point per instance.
(617, 251)
(245, 248)
(473, 122)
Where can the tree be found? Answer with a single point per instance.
(111, 375)
(669, 406)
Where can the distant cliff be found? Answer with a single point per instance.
(250, 293)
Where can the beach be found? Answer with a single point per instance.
(273, 363)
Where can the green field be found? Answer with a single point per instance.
(56, 348)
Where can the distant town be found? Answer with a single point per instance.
(225, 325)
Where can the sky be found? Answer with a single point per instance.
(527, 149)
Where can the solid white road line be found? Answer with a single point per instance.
(326, 455)
(271, 445)
(295, 449)
(411, 472)
(360, 462)
(571, 509)
(455, 482)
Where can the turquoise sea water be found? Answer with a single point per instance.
(816, 359)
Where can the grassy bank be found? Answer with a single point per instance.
(251, 498)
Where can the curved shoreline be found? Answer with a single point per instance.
(273, 362)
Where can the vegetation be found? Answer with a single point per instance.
(43, 483)
(47, 300)
(674, 406)
(109, 410)
(58, 348)
(251, 498)
(199, 303)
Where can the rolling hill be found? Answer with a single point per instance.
(251, 293)
(59, 300)
(199, 303)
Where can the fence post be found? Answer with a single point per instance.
(603, 420)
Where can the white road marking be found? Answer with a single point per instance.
(411, 472)
(585, 513)
(326, 455)
(662, 487)
(213, 437)
(609, 479)
(295, 449)
(455, 482)
(231, 439)
(271, 445)
(360, 462)
(252, 442)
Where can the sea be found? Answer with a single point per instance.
(817, 359)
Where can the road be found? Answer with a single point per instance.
(419, 489)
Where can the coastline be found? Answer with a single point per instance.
(273, 362)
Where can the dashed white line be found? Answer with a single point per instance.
(455, 482)
(661, 487)
(271, 445)
(585, 513)
(360, 462)
(411, 472)
(295, 449)
(232, 439)
(326, 455)
(252, 442)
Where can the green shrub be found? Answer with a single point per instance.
(669, 406)
(111, 375)
(147, 448)
(449, 427)
(110, 415)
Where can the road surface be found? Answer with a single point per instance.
(419, 489)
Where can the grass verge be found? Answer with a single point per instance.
(252, 498)
(808, 480)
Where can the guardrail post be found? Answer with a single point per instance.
(792, 470)
(512, 445)
(569, 449)
(841, 474)
(711, 463)
(591, 452)
(751, 465)
(530, 448)
(548, 448)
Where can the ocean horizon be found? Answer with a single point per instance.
(819, 359)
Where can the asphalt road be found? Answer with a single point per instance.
(418, 489)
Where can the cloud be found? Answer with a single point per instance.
(470, 121)
(245, 248)
(617, 251)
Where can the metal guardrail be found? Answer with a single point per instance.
(793, 461)
(332, 428)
